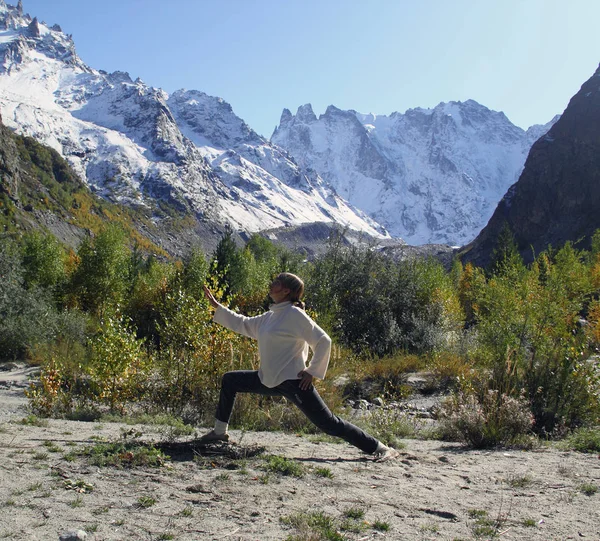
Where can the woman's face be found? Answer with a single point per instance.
(277, 292)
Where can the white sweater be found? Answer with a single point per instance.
(284, 334)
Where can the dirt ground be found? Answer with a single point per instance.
(435, 490)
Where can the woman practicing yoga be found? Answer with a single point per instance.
(284, 335)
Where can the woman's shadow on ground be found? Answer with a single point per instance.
(188, 451)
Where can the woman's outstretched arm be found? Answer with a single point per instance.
(248, 326)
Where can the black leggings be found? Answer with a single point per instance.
(309, 402)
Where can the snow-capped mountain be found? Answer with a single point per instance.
(131, 142)
(428, 175)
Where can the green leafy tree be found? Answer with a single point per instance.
(263, 249)
(425, 304)
(195, 273)
(529, 337)
(100, 279)
(227, 263)
(505, 256)
(194, 353)
(43, 261)
(153, 280)
(118, 362)
(27, 316)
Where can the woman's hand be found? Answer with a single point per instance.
(306, 380)
(211, 298)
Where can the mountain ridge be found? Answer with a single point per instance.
(123, 138)
(428, 175)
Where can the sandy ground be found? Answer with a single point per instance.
(435, 490)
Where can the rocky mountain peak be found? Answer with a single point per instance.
(117, 77)
(333, 110)
(211, 119)
(429, 175)
(31, 34)
(286, 116)
(139, 145)
(306, 114)
(33, 30)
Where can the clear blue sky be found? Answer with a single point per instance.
(523, 57)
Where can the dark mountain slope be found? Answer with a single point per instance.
(557, 197)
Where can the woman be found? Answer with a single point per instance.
(284, 335)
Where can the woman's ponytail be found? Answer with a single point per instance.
(296, 287)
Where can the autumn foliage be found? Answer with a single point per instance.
(116, 328)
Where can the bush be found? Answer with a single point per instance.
(493, 420)
(43, 261)
(192, 356)
(529, 338)
(118, 362)
(450, 369)
(48, 397)
(100, 280)
(585, 440)
(390, 426)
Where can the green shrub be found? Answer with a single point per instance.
(314, 525)
(118, 362)
(390, 426)
(528, 338)
(494, 420)
(28, 317)
(284, 466)
(584, 440)
(43, 261)
(124, 454)
(194, 353)
(100, 279)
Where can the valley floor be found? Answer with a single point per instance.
(435, 490)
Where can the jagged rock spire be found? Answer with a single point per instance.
(305, 113)
(286, 116)
(20, 7)
(34, 28)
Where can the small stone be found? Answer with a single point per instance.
(76, 535)
(341, 381)
(378, 401)
(7, 367)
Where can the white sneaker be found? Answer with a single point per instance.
(385, 454)
(212, 437)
